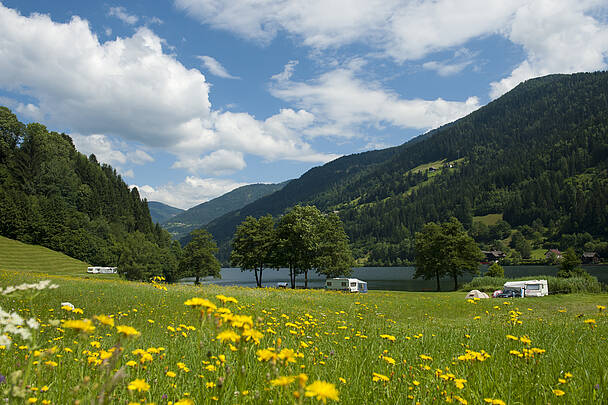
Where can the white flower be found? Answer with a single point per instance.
(32, 323)
(5, 341)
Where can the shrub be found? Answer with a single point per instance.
(495, 270)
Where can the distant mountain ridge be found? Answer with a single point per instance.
(183, 223)
(538, 153)
(161, 212)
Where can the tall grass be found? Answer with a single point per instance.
(417, 342)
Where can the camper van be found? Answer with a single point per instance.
(346, 284)
(527, 288)
(102, 270)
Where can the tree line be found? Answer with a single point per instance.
(303, 239)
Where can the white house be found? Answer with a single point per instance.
(102, 270)
(530, 288)
(346, 284)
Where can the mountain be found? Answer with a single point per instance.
(162, 212)
(183, 223)
(537, 155)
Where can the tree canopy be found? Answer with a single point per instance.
(254, 245)
(198, 259)
(445, 250)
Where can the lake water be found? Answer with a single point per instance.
(383, 278)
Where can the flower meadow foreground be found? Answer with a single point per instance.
(83, 341)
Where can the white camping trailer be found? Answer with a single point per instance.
(102, 270)
(528, 288)
(346, 284)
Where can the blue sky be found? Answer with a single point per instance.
(189, 99)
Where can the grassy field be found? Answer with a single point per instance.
(301, 346)
(18, 256)
(490, 219)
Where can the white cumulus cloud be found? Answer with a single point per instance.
(218, 163)
(188, 193)
(129, 88)
(558, 36)
(344, 103)
(215, 68)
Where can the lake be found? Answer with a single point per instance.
(382, 278)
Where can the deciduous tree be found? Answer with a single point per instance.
(198, 258)
(253, 245)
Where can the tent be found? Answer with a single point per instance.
(476, 294)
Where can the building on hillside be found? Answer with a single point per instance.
(493, 256)
(550, 252)
(590, 258)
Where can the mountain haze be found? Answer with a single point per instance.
(538, 153)
(183, 223)
(161, 212)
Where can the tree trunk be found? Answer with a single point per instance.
(438, 284)
(305, 278)
(455, 282)
(292, 277)
(260, 283)
(196, 281)
(257, 282)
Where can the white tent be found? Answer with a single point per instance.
(476, 294)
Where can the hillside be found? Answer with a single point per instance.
(160, 212)
(182, 224)
(537, 155)
(17, 256)
(54, 196)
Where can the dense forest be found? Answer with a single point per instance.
(538, 156)
(54, 196)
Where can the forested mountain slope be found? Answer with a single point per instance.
(183, 223)
(538, 154)
(54, 196)
(160, 212)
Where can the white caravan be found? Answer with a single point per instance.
(528, 288)
(346, 284)
(102, 270)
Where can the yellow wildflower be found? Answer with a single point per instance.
(83, 325)
(139, 385)
(282, 381)
(228, 335)
(105, 320)
(127, 330)
(252, 334)
(322, 391)
(379, 377)
(558, 393)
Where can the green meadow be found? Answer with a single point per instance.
(299, 346)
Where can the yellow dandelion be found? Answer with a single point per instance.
(379, 377)
(105, 320)
(83, 325)
(138, 385)
(282, 381)
(322, 391)
(228, 336)
(558, 393)
(127, 331)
